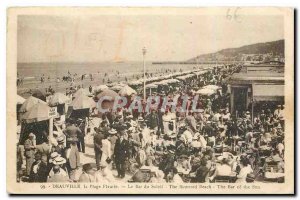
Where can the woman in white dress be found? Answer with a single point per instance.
(106, 149)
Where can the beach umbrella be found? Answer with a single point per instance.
(29, 103)
(81, 92)
(212, 87)
(39, 112)
(20, 100)
(151, 85)
(108, 93)
(58, 98)
(127, 91)
(137, 82)
(100, 88)
(206, 92)
(39, 94)
(117, 87)
(83, 102)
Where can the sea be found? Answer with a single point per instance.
(102, 72)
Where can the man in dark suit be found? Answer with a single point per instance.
(72, 132)
(121, 153)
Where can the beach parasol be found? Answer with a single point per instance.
(212, 87)
(20, 100)
(100, 88)
(151, 85)
(108, 93)
(206, 92)
(30, 102)
(58, 98)
(39, 94)
(38, 112)
(117, 87)
(127, 91)
(83, 102)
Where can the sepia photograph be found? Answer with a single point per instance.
(150, 100)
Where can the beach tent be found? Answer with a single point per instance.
(58, 98)
(108, 93)
(107, 103)
(83, 102)
(38, 112)
(20, 100)
(127, 91)
(206, 92)
(39, 94)
(30, 102)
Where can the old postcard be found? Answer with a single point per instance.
(150, 100)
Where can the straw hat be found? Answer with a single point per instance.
(59, 161)
(53, 156)
(112, 131)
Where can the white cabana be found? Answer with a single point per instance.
(83, 102)
(58, 98)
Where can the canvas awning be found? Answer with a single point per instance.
(268, 92)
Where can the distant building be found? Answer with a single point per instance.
(255, 85)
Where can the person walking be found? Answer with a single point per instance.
(121, 154)
(98, 137)
(29, 146)
(73, 159)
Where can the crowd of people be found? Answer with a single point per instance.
(212, 145)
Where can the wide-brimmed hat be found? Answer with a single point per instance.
(112, 131)
(53, 156)
(140, 119)
(59, 160)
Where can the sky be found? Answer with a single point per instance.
(101, 38)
